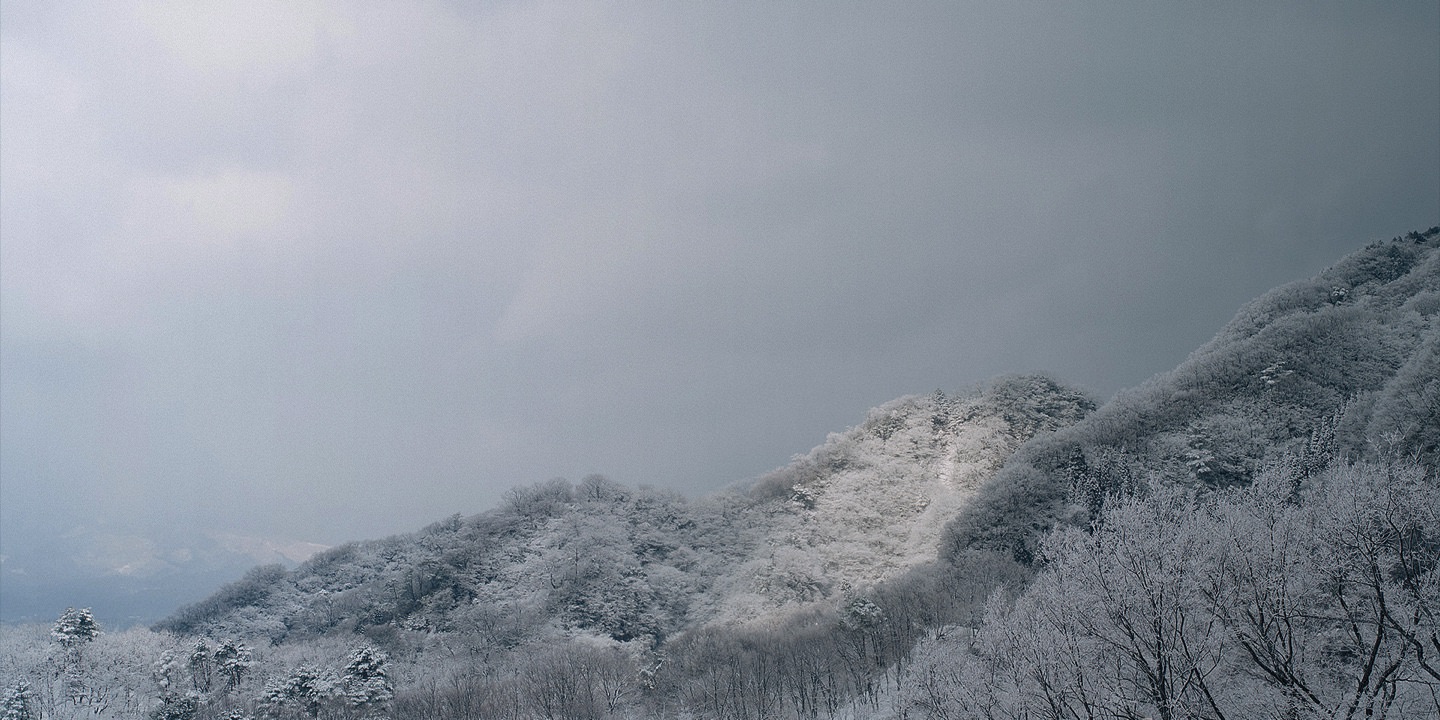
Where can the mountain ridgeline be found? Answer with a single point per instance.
(642, 564)
(1345, 365)
(1253, 534)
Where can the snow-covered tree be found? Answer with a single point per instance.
(176, 707)
(72, 632)
(307, 689)
(74, 628)
(202, 666)
(1264, 601)
(19, 703)
(366, 683)
(232, 660)
(167, 673)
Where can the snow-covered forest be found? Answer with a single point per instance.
(1255, 534)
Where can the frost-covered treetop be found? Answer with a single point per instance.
(75, 627)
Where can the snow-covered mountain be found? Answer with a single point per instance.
(631, 564)
(873, 501)
(853, 582)
(1344, 365)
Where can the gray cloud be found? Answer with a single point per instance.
(327, 271)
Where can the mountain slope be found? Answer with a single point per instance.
(1344, 364)
(873, 501)
(833, 586)
(638, 564)
(1341, 365)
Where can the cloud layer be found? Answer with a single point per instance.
(328, 270)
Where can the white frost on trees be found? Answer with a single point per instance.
(366, 683)
(1277, 600)
(75, 628)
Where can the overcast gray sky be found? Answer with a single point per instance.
(330, 270)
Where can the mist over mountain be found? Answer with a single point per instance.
(1010, 550)
(132, 579)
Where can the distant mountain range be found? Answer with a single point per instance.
(136, 579)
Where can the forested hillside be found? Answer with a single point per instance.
(1253, 534)
(1342, 365)
(669, 602)
(641, 564)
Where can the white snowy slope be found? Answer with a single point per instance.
(873, 501)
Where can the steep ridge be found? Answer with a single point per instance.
(1345, 364)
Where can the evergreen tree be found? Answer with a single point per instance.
(366, 683)
(72, 632)
(19, 703)
(307, 688)
(74, 628)
(201, 666)
(232, 660)
(176, 707)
